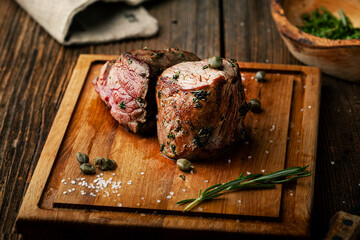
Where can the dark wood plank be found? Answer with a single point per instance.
(35, 71)
(251, 35)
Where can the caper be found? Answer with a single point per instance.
(215, 62)
(254, 105)
(105, 164)
(87, 168)
(260, 75)
(82, 157)
(184, 164)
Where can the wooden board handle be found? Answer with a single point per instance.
(344, 226)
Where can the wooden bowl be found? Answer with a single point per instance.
(339, 58)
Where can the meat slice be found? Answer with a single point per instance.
(200, 109)
(127, 85)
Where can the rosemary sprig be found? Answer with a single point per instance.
(253, 181)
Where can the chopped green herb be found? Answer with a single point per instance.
(176, 75)
(231, 64)
(139, 99)
(173, 148)
(129, 61)
(324, 24)
(171, 136)
(200, 94)
(159, 54)
(182, 177)
(182, 55)
(205, 67)
(233, 60)
(162, 147)
(159, 94)
(142, 74)
(122, 105)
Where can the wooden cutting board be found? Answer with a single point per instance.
(146, 186)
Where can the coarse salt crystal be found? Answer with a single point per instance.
(118, 195)
(143, 214)
(239, 201)
(129, 182)
(171, 193)
(73, 182)
(101, 174)
(237, 220)
(158, 201)
(142, 198)
(69, 190)
(184, 190)
(63, 180)
(65, 192)
(138, 204)
(229, 161)
(309, 106)
(302, 110)
(271, 141)
(206, 181)
(249, 157)
(73, 189)
(332, 162)
(192, 172)
(114, 174)
(168, 197)
(267, 60)
(343, 201)
(119, 204)
(79, 183)
(263, 170)
(291, 194)
(142, 173)
(272, 128)
(267, 152)
(248, 173)
(200, 209)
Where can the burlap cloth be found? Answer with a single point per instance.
(91, 21)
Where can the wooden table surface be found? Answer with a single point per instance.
(35, 71)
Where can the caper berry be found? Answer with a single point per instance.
(254, 105)
(215, 62)
(184, 164)
(87, 168)
(82, 157)
(260, 75)
(105, 164)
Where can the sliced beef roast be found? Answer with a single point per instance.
(127, 85)
(200, 109)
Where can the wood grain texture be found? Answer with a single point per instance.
(35, 71)
(337, 167)
(82, 124)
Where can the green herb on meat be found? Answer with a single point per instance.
(182, 177)
(173, 149)
(231, 64)
(324, 24)
(129, 61)
(200, 94)
(203, 136)
(159, 54)
(162, 147)
(205, 67)
(171, 136)
(122, 105)
(253, 181)
(176, 75)
(159, 94)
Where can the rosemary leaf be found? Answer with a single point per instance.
(253, 181)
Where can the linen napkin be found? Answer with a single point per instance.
(91, 21)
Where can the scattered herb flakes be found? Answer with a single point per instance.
(182, 55)
(159, 94)
(171, 136)
(129, 61)
(205, 67)
(162, 147)
(122, 105)
(182, 177)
